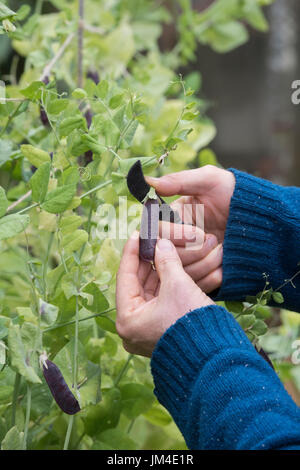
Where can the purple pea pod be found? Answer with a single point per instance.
(88, 117)
(149, 230)
(58, 387)
(93, 75)
(43, 115)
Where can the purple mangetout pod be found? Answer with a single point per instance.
(149, 230)
(59, 389)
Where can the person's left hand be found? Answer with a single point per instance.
(149, 302)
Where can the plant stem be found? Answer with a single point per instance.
(69, 430)
(45, 266)
(123, 370)
(28, 208)
(71, 322)
(80, 43)
(96, 188)
(10, 118)
(47, 70)
(16, 203)
(15, 398)
(27, 419)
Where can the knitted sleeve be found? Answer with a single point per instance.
(218, 389)
(262, 238)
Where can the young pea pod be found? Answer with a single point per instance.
(139, 188)
(149, 230)
(59, 389)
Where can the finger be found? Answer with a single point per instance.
(189, 256)
(210, 263)
(190, 210)
(144, 271)
(188, 182)
(128, 285)
(212, 281)
(180, 234)
(151, 285)
(167, 261)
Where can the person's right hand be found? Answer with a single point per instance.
(208, 185)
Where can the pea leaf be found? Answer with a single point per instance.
(34, 91)
(99, 302)
(136, 399)
(278, 297)
(14, 438)
(18, 357)
(57, 106)
(102, 89)
(59, 199)
(13, 224)
(39, 182)
(70, 224)
(74, 241)
(34, 155)
(3, 202)
(70, 123)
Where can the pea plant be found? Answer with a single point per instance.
(88, 94)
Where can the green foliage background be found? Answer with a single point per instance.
(57, 278)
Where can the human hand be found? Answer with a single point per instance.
(149, 302)
(208, 185)
(201, 254)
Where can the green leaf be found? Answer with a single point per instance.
(70, 123)
(6, 12)
(255, 16)
(104, 415)
(207, 157)
(14, 438)
(99, 302)
(246, 321)
(158, 416)
(39, 182)
(34, 91)
(107, 324)
(114, 439)
(11, 225)
(70, 224)
(57, 106)
(234, 307)
(278, 297)
(102, 89)
(136, 399)
(189, 116)
(259, 328)
(18, 356)
(3, 202)
(79, 94)
(74, 241)
(34, 155)
(116, 100)
(48, 313)
(58, 200)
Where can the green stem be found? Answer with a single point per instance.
(27, 419)
(45, 266)
(69, 430)
(96, 188)
(28, 208)
(15, 398)
(71, 322)
(10, 118)
(123, 370)
(130, 426)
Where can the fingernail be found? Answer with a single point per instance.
(164, 245)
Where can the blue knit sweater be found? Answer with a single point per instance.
(220, 392)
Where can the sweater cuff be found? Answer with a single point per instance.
(252, 237)
(183, 350)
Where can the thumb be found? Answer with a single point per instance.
(167, 261)
(184, 183)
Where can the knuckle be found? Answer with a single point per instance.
(123, 329)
